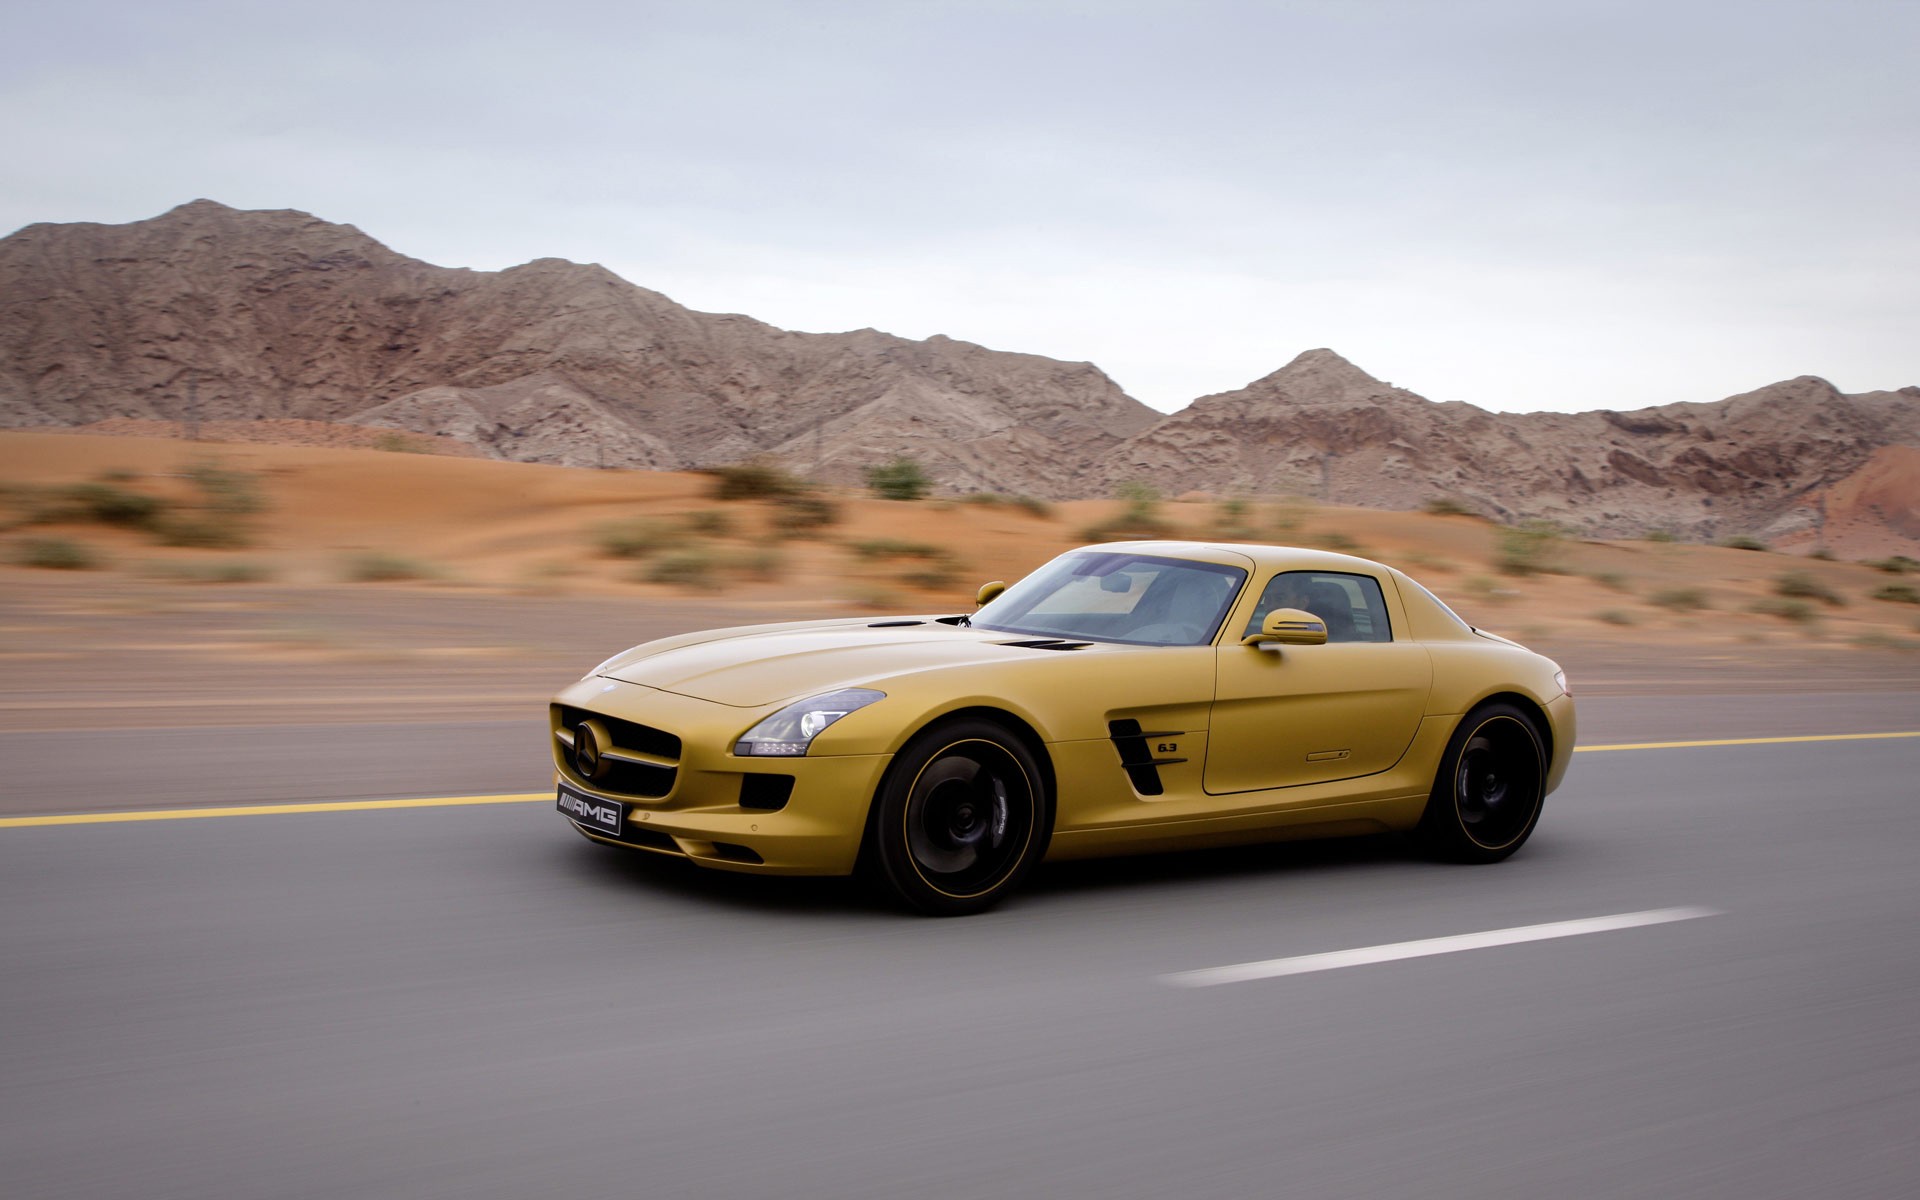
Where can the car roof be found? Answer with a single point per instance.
(1264, 557)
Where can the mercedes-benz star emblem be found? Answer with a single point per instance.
(586, 751)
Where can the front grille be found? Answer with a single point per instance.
(638, 760)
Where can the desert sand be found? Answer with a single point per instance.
(425, 585)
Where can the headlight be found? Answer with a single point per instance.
(791, 730)
(1560, 681)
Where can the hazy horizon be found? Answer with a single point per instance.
(1524, 207)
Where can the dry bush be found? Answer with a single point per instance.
(637, 537)
(895, 548)
(378, 566)
(1680, 599)
(694, 568)
(55, 554)
(803, 516)
(1800, 585)
(1139, 517)
(1530, 548)
(1797, 611)
(755, 479)
(901, 479)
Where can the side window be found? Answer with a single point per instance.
(1351, 605)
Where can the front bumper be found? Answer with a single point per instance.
(701, 816)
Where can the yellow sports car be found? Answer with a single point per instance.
(1128, 697)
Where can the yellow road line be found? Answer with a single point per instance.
(1812, 737)
(271, 810)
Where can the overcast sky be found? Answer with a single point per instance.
(1523, 204)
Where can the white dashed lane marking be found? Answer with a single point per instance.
(1273, 968)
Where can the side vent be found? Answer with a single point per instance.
(1047, 644)
(893, 624)
(1136, 754)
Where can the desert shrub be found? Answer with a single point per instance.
(378, 566)
(1611, 580)
(984, 499)
(1680, 599)
(203, 531)
(229, 493)
(1821, 553)
(803, 516)
(111, 504)
(1743, 541)
(1427, 562)
(1614, 616)
(762, 563)
(1899, 564)
(1291, 513)
(894, 548)
(712, 522)
(1880, 639)
(212, 572)
(1449, 506)
(755, 479)
(55, 554)
(933, 575)
(692, 568)
(1530, 548)
(1234, 519)
(1337, 541)
(397, 443)
(901, 479)
(1033, 506)
(1138, 518)
(1483, 588)
(636, 537)
(1797, 611)
(1899, 593)
(1660, 533)
(1803, 586)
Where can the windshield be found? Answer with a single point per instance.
(1118, 597)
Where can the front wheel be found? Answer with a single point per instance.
(960, 819)
(1486, 798)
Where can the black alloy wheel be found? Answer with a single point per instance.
(1487, 795)
(960, 819)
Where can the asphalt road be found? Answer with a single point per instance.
(473, 1002)
(85, 769)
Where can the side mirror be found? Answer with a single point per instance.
(1289, 627)
(989, 590)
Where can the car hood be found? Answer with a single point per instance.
(757, 668)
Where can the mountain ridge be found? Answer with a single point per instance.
(210, 312)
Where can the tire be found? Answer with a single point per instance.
(1487, 795)
(960, 819)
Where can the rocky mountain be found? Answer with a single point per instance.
(282, 318)
(1321, 427)
(222, 314)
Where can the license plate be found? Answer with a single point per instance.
(602, 816)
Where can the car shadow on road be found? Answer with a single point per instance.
(669, 879)
(1235, 862)
(674, 880)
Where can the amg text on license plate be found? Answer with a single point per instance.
(601, 815)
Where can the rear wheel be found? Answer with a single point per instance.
(1486, 798)
(961, 817)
